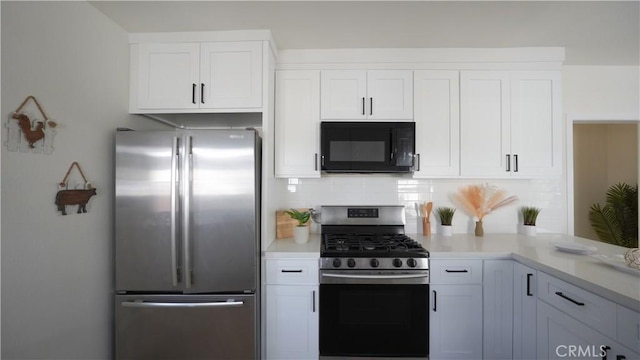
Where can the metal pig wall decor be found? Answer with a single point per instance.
(29, 129)
(78, 197)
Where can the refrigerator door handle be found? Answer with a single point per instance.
(144, 304)
(186, 219)
(174, 209)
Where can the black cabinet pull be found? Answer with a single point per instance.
(315, 161)
(515, 163)
(313, 301)
(568, 298)
(291, 271)
(456, 271)
(370, 106)
(529, 276)
(606, 350)
(362, 106)
(620, 357)
(202, 93)
(193, 93)
(435, 300)
(508, 162)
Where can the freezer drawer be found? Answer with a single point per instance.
(186, 327)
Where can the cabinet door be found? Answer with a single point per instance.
(231, 74)
(437, 118)
(292, 322)
(297, 123)
(561, 336)
(498, 309)
(524, 312)
(168, 76)
(455, 329)
(485, 123)
(344, 95)
(536, 123)
(389, 95)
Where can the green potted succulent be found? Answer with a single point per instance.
(446, 217)
(529, 217)
(301, 231)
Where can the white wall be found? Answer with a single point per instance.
(594, 90)
(57, 270)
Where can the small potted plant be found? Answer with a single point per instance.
(301, 231)
(446, 217)
(529, 217)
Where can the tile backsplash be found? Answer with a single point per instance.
(379, 189)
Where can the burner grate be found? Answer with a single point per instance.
(363, 244)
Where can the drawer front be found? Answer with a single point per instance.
(629, 328)
(292, 271)
(583, 305)
(459, 271)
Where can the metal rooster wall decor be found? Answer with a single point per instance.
(29, 129)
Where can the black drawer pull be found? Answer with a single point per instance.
(568, 298)
(457, 271)
(291, 271)
(529, 276)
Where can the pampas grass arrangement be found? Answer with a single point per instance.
(480, 200)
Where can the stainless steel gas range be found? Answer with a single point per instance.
(374, 285)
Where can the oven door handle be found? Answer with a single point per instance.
(382, 277)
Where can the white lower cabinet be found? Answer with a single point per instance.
(576, 323)
(561, 336)
(292, 309)
(498, 314)
(524, 312)
(455, 328)
(292, 322)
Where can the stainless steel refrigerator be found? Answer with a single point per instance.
(187, 244)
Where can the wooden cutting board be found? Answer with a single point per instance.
(285, 224)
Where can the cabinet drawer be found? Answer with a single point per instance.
(292, 271)
(583, 305)
(629, 328)
(460, 271)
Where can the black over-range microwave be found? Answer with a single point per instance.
(367, 147)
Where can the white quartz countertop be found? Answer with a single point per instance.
(537, 252)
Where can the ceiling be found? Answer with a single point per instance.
(593, 32)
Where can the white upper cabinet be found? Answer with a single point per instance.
(536, 123)
(168, 75)
(510, 123)
(232, 74)
(367, 95)
(485, 123)
(437, 118)
(297, 123)
(192, 76)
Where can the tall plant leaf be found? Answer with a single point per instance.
(617, 221)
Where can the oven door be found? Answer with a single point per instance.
(369, 316)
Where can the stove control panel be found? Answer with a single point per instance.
(374, 263)
(362, 213)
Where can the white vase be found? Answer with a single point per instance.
(301, 234)
(447, 230)
(529, 230)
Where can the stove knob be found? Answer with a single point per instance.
(412, 262)
(351, 263)
(374, 263)
(337, 263)
(397, 263)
